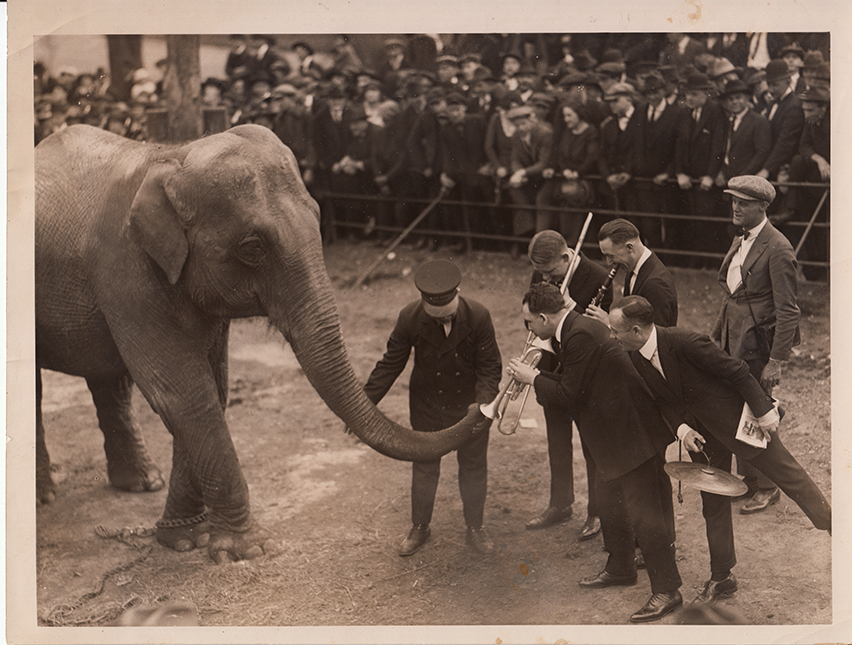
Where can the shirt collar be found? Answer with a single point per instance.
(642, 259)
(558, 333)
(755, 231)
(650, 346)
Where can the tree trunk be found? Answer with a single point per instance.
(125, 55)
(182, 89)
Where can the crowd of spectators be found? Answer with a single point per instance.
(518, 127)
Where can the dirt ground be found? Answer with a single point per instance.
(340, 509)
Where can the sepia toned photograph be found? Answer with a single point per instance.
(377, 329)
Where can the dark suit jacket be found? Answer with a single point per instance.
(704, 387)
(700, 149)
(329, 139)
(769, 280)
(535, 156)
(750, 145)
(786, 126)
(450, 372)
(655, 283)
(660, 139)
(622, 151)
(615, 412)
(463, 147)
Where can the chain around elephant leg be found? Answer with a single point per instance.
(184, 534)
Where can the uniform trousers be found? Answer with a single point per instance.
(776, 462)
(560, 452)
(637, 508)
(473, 482)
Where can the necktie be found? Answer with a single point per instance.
(742, 233)
(730, 136)
(696, 114)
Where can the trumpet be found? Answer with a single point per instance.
(511, 391)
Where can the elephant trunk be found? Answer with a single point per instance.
(306, 314)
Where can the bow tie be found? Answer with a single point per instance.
(741, 232)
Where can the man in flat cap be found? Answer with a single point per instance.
(759, 318)
(456, 363)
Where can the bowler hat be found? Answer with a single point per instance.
(612, 56)
(583, 60)
(438, 282)
(511, 54)
(456, 98)
(391, 43)
(751, 187)
(618, 89)
(573, 78)
(472, 57)
(735, 87)
(777, 70)
(758, 76)
(697, 82)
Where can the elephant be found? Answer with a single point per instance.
(144, 253)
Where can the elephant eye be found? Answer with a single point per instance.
(251, 251)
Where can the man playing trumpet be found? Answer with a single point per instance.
(626, 436)
(551, 258)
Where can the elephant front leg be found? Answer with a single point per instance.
(45, 487)
(208, 503)
(129, 465)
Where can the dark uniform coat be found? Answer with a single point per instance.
(450, 372)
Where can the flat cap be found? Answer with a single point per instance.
(618, 89)
(447, 59)
(792, 48)
(752, 188)
(611, 68)
(541, 99)
(438, 282)
(456, 98)
(519, 112)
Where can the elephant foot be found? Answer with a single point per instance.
(45, 488)
(135, 479)
(226, 546)
(183, 538)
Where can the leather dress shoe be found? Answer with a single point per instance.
(762, 500)
(713, 590)
(658, 605)
(551, 516)
(607, 579)
(746, 495)
(591, 527)
(480, 541)
(417, 537)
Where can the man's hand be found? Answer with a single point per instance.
(661, 178)
(547, 173)
(518, 178)
(570, 174)
(521, 372)
(771, 375)
(684, 181)
(824, 167)
(502, 171)
(446, 182)
(693, 441)
(763, 174)
(595, 312)
(706, 183)
(720, 180)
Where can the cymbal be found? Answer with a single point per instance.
(706, 478)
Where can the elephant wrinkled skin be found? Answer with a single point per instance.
(143, 255)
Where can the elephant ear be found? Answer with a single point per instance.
(155, 223)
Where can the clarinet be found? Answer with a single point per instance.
(596, 301)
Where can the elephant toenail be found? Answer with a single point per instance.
(202, 540)
(184, 545)
(221, 557)
(254, 552)
(270, 547)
